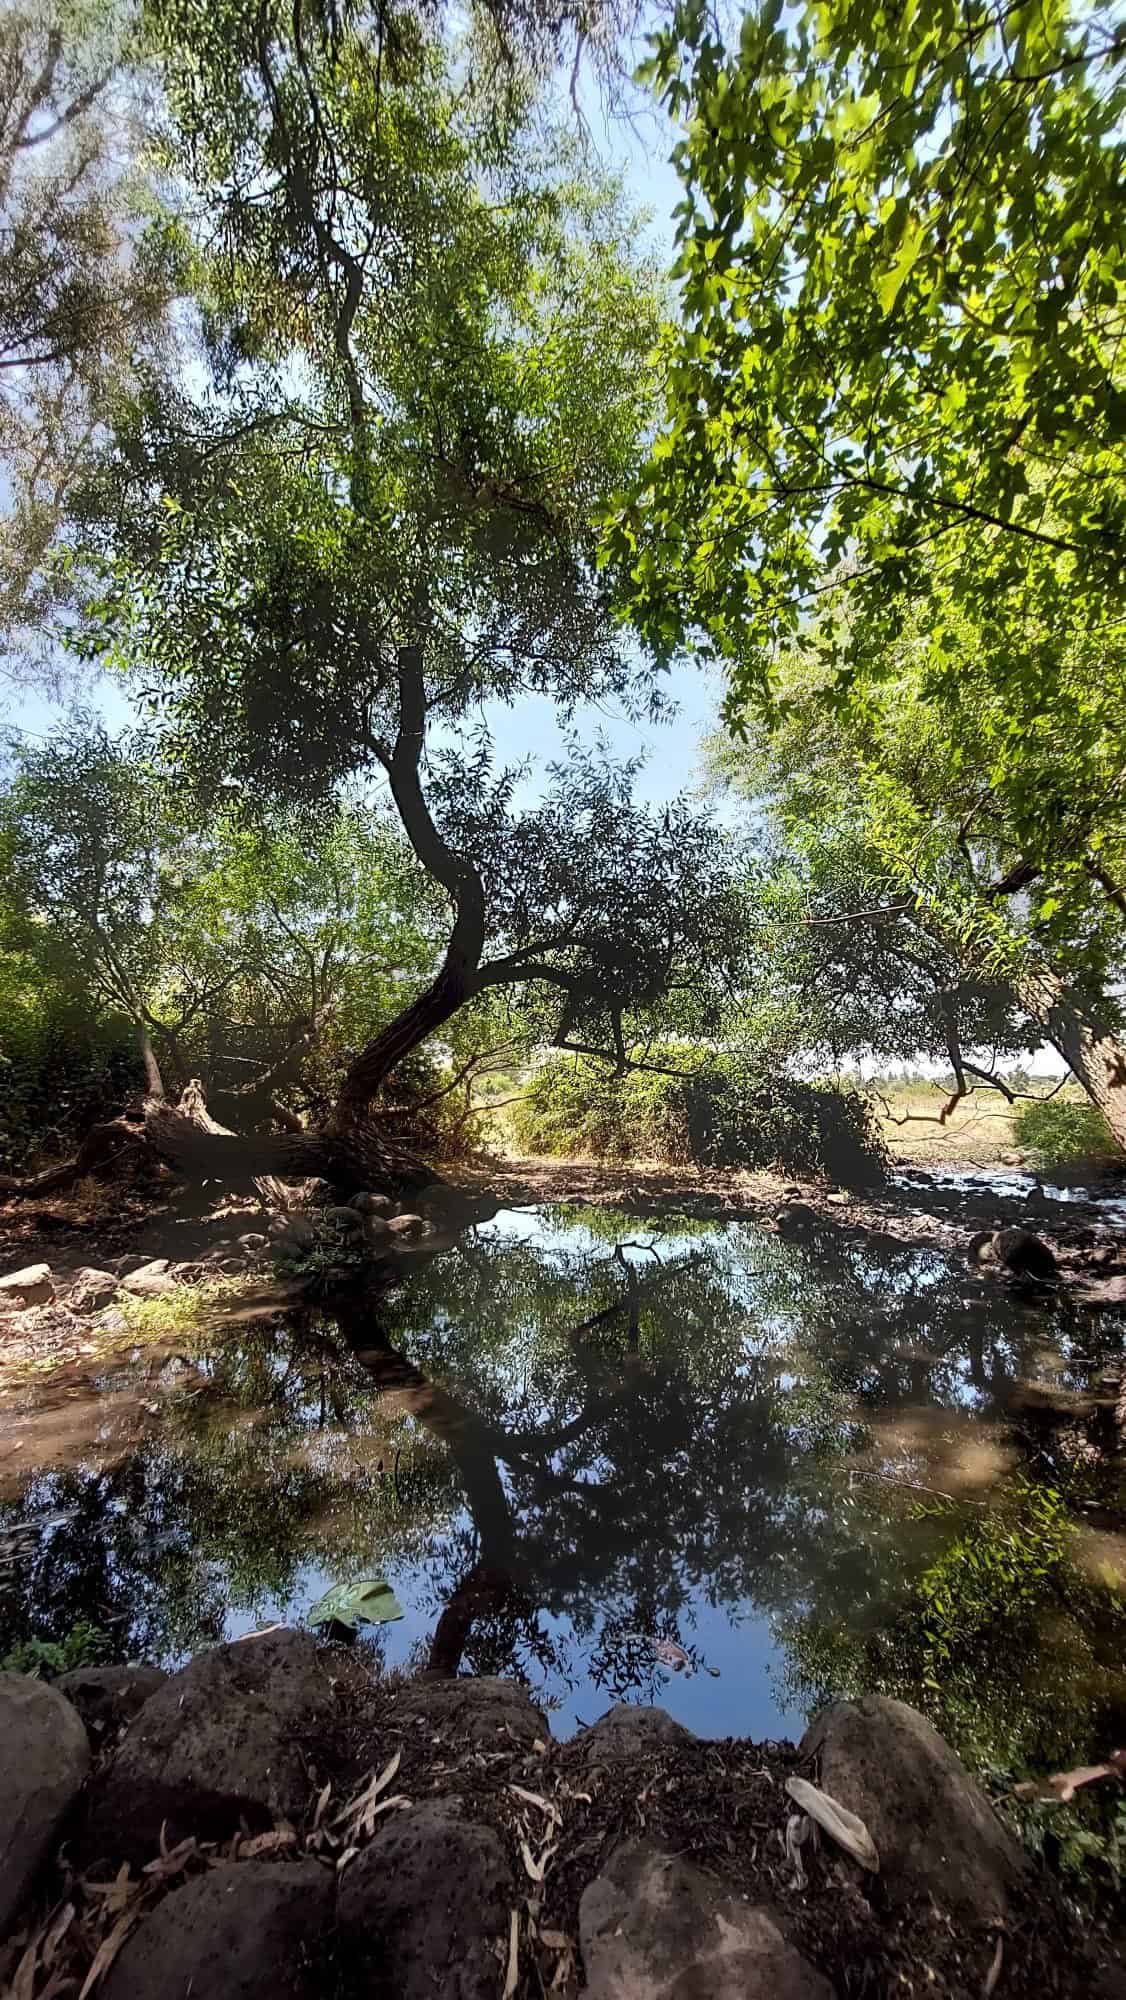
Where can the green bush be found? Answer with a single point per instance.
(61, 1069)
(1058, 1131)
(717, 1110)
(44, 1659)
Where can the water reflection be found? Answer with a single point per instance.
(573, 1434)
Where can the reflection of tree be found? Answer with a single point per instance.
(286, 1458)
(566, 1443)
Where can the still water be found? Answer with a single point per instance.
(814, 1466)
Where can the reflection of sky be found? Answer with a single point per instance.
(866, 1349)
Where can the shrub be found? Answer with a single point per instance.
(1058, 1130)
(44, 1659)
(717, 1110)
(61, 1070)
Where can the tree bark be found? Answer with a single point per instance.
(154, 1082)
(200, 1149)
(1094, 1055)
(457, 980)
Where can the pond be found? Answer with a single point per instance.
(814, 1466)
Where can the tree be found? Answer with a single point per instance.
(84, 287)
(899, 362)
(233, 950)
(905, 855)
(426, 341)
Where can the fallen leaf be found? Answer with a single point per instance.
(841, 1825)
(170, 1861)
(669, 1653)
(268, 1843)
(108, 1949)
(555, 1940)
(55, 1933)
(370, 1600)
(994, 1973)
(1061, 1788)
(512, 1976)
(534, 1799)
(359, 1810)
(321, 1804)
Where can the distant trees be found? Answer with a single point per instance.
(905, 898)
(85, 288)
(253, 957)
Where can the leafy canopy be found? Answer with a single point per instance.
(899, 366)
(424, 340)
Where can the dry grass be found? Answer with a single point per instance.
(978, 1132)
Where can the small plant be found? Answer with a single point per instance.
(187, 1309)
(44, 1659)
(1058, 1131)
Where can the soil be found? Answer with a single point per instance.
(560, 1814)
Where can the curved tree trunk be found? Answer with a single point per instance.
(1095, 1057)
(458, 978)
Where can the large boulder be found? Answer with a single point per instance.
(344, 1219)
(654, 1927)
(150, 1281)
(485, 1713)
(429, 1901)
(91, 1290)
(254, 1931)
(107, 1698)
(1020, 1251)
(935, 1831)
(628, 1732)
(230, 1737)
(407, 1226)
(31, 1286)
(44, 1757)
(368, 1204)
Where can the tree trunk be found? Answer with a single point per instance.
(458, 978)
(154, 1082)
(189, 1140)
(1094, 1056)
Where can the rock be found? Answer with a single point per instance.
(254, 1242)
(797, 1219)
(150, 1281)
(376, 1230)
(1021, 1251)
(229, 1267)
(406, 1225)
(30, 1287)
(936, 1833)
(92, 1289)
(108, 1697)
(368, 1204)
(428, 1900)
(1105, 1291)
(251, 1931)
(225, 1738)
(44, 1756)
(482, 1713)
(655, 1927)
(627, 1731)
(293, 1232)
(346, 1220)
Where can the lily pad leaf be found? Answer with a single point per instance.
(368, 1601)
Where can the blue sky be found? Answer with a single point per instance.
(638, 147)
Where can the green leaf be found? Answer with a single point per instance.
(368, 1601)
